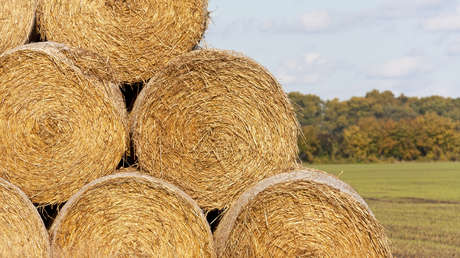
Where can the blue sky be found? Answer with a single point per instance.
(336, 48)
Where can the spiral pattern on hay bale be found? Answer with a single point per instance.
(213, 123)
(22, 232)
(131, 215)
(63, 122)
(16, 22)
(138, 36)
(303, 213)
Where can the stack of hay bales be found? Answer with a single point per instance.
(63, 122)
(302, 213)
(16, 22)
(214, 123)
(22, 232)
(137, 37)
(131, 215)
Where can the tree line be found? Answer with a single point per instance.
(378, 127)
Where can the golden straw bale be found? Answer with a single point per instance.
(131, 215)
(137, 36)
(300, 214)
(16, 22)
(63, 122)
(213, 123)
(22, 232)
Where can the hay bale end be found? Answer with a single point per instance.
(17, 18)
(138, 37)
(129, 214)
(63, 122)
(214, 122)
(22, 232)
(302, 213)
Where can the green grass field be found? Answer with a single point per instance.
(417, 203)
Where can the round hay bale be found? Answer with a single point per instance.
(16, 22)
(131, 215)
(213, 123)
(22, 232)
(300, 214)
(62, 122)
(137, 36)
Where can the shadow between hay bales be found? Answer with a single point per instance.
(130, 93)
(35, 34)
(48, 213)
(213, 217)
(128, 159)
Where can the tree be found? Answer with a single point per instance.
(309, 108)
(356, 143)
(437, 137)
(378, 126)
(309, 143)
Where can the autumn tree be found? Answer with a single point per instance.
(378, 126)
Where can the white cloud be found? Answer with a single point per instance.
(297, 78)
(452, 45)
(400, 67)
(415, 3)
(285, 78)
(310, 78)
(397, 10)
(310, 61)
(454, 49)
(445, 22)
(428, 2)
(313, 58)
(311, 22)
(310, 68)
(315, 21)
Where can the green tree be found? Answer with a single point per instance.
(309, 143)
(378, 126)
(309, 108)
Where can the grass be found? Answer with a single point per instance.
(417, 203)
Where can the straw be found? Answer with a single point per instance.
(302, 213)
(131, 215)
(63, 122)
(213, 123)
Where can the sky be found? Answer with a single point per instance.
(340, 49)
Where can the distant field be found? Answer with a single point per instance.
(417, 203)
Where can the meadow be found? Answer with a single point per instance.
(417, 203)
